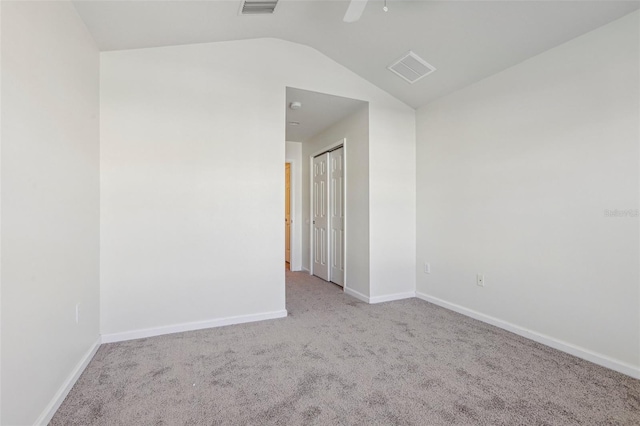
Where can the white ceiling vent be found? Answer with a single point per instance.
(258, 7)
(411, 67)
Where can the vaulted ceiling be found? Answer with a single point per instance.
(465, 40)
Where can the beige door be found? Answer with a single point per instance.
(287, 212)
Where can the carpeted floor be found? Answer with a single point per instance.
(338, 361)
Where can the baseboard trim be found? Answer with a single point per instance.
(58, 398)
(392, 297)
(190, 326)
(356, 294)
(574, 350)
(379, 299)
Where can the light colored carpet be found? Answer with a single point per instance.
(338, 361)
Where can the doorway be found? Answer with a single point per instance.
(328, 215)
(317, 123)
(287, 215)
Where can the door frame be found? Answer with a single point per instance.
(290, 261)
(332, 147)
(295, 255)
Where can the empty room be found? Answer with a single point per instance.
(354, 212)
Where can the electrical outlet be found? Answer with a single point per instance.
(480, 280)
(427, 268)
(77, 313)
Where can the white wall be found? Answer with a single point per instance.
(392, 203)
(293, 155)
(192, 195)
(0, 213)
(50, 211)
(355, 129)
(514, 176)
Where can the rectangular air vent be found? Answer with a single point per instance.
(258, 7)
(411, 67)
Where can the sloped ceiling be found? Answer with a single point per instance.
(465, 40)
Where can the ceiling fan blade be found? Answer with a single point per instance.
(354, 12)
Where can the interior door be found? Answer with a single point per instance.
(336, 203)
(287, 212)
(320, 216)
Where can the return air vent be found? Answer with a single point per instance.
(411, 67)
(258, 7)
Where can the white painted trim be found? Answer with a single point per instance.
(345, 225)
(303, 269)
(392, 297)
(190, 326)
(63, 391)
(0, 211)
(379, 299)
(356, 294)
(310, 228)
(574, 350)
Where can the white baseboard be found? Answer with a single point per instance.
(303, 269)
(56, 401)
(379, 299)
(392, 297)
(190, 326)
(577, 351)
(356, 294)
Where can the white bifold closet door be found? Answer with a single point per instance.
(328, 216)
(321, 216)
